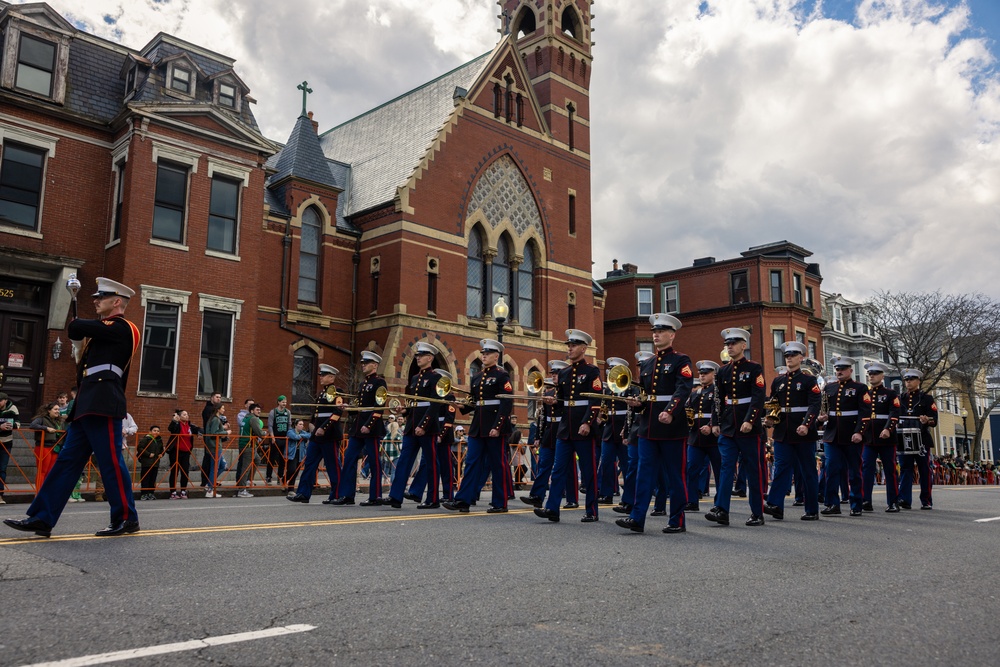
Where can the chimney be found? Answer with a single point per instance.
(630, 268)
(614, 265)
(314, 123)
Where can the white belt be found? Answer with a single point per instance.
(703, 415)
(492, 401)
(422, 404)
(103, 367)
(846, 413)
(324, 414)
(799, 408)
(620, 412)
(908, 430)
(660, 399)
(738, 401)
(881, 416)
(573, 404)
(553, 419)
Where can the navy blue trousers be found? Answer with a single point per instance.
(699, 458)
(90, 434)
(906, 462)
(792, 458)
(614, 457)
(412, 445)
(485, 456)
(662, 464)
(838, 459)
(748, 450)
(444, 466)
(316, 452)
(565, 465)
(887, 453)
(349, 476)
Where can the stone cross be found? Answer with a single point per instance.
(304, 87)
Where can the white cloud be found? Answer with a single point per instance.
(716, 125)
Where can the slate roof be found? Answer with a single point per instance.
(93, 86)
(384, 145)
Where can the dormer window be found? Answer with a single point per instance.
(227, 95)
(36, 60)
(180, 79)
(130, 80)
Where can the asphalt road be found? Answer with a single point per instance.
(392, 587)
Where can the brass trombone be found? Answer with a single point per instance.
(619, 380)
(331, 393)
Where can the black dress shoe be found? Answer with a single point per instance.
(119, 528)
(830, 509)
(718, 515)
(571, 506)
(756, 520)
(590, 518)
(606, 500)
(411, 496)
(346, 500)
(370, 503)
(630, 523)
(393, 503)
(674, 529)
(658, 513)
(622, 509)
(546, 513)
(798, 503)
(742, 494)
(456, 506)
(856, 513)
(845, 501)
(297, 498)
(810, 517)
(926, 507)
(428, 506)
(904, 506)
(892, 509)
(775, 511)
(692, 507)
(867, 507)
(29, 525)
(534, 501)
(496, 510)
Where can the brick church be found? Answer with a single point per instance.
(253, 260)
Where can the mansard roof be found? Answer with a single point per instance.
(384, 145)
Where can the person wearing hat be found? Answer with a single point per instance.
(703, 441)
(850, 409)
(880, 439)
(364, 434)
(577, 430)
(445, 466)
(95, 421)
(798, 397)
(666, 378)
(917, 416)
(614, 452)
(420, 434)
(324, 445)
(551, 414)
(630, 436)
(741, 403)
(487, 433)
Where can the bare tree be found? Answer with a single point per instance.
(953, 336)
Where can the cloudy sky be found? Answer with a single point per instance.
(867, 131)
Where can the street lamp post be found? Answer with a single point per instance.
(965, 432)
(500, 312)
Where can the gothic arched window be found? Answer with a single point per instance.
(309, 255)
(526, 288)
(502, 275)
(476, 288)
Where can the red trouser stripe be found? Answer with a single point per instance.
(118, 470)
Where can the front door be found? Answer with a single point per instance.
(23, 335)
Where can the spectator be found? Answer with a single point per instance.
(48, 439)
(216, 435)
(298, 438)
(8, 424)
(62, 398)
(206, 413)
(179, 450)
(241, 415)
(149, 451)
(518, 458)
(279, 422)
(251, 433)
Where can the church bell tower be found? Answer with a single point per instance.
(554, 40)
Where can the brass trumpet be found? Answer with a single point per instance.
(331, 393)
(773, 408)
(535, 382)
(690, 416)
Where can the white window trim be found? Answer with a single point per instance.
(218, 254)
(639, 302)
(169, 244)
(237, 94)
(29, 138)
(663, 296)
(220, 303)
(192, 82)
(12, 43)
(228, 169)
(175, 154)
(164, 295)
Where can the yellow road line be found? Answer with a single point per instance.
(163, 532)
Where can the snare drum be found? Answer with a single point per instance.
(911, 436)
